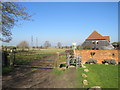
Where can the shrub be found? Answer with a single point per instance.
(62, 65)
(87, 47)
(94, 61)
(109, 61)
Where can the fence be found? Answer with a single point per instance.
(29, 59)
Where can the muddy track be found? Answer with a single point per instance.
(24, 77)
(28, 80)
(67, 80)
(44, 79)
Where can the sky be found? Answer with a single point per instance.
(66, 22)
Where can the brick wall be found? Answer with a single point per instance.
(100, 55)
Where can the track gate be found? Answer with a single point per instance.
(73, 59)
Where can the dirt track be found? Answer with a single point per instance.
(41, 78)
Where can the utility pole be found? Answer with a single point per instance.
(32, 41)
(36, 42)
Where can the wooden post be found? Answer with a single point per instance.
(54, 62)
(74, 53)
(57, 59)
(68, 60)
(13, 58)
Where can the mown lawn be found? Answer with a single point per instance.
(102, 75)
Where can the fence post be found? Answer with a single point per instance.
(56, 63)
(68, 60)
(12, 56)
(4, 58)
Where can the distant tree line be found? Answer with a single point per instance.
(24, 45)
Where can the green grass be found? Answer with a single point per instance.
(24, 57)
(7, 69)
(31, 55)
(34, 69)
(52, 51)
(21, 58)
(79, 78)
(102, 75)
(62, 58)
(58, 72)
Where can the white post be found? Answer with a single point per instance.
(74, 47)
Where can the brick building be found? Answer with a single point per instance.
(97, 41)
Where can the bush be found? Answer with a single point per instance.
(93, 61)
(87, 47)
(7, 69)
(62, 65)
(109, 61)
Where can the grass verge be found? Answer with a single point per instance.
(7, 69)
(105, 76)
(59, 72)
(79, 78)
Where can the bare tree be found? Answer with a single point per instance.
(59, 45)
(23, 45)
(47, 44)
(12, 12)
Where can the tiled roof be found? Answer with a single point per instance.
(107, 38)
(96, 36)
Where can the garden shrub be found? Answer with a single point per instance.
(109, 61)
(94, 61)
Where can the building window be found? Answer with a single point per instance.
(97, 42)
(93, 42)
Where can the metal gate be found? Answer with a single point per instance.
(73, 59)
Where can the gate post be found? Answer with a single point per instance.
(12, 56)
(5, 60)
(68, 60)
(57, 58)
(78, 60)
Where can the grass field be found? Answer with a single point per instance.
(105, 76)
(23, 57)
(31, 55)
